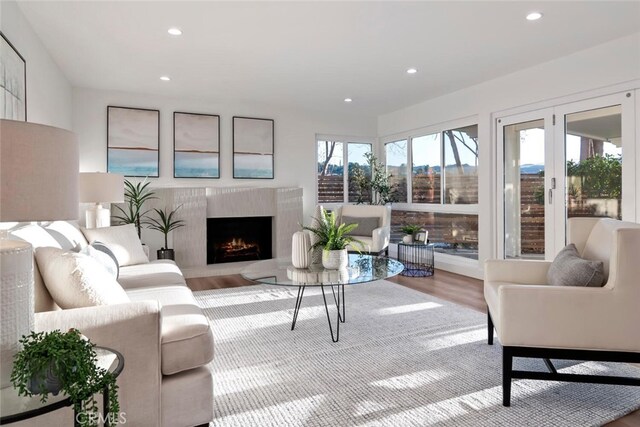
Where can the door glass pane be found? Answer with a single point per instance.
(330, 172)
(594, 163)
(426, 169)
(524, 192)
(461, 165)
(396, 157)
(359, 172)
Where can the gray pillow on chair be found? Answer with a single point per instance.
(568, 269)
(365, 227)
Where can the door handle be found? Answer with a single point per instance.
(550, 196)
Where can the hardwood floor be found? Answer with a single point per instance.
(451, 287)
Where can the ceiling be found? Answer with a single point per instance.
(312, 55)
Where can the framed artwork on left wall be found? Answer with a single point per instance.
(13, 82)
(133, 141)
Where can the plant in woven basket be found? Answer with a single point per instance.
(50, 362)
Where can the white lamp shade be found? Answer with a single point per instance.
(38, 172)
(98, 187)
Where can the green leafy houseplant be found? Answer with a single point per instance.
(410, 229)
(165, 223)
(71, 360)
(134, 196)
(331, 235)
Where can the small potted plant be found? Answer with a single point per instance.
(409, 231)
(165, 223)
(51, 362)
(333, 238)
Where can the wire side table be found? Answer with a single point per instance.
(417, 259)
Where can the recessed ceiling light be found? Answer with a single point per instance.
(534, 16)
(165, 78)
(412, 70)
(174, 31)
(348, 100)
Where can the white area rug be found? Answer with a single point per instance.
(404, 359)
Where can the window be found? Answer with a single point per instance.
(452, 234)
(330, 172)
(396, 157)
(461, 165)
(443, 179)
(426, 170)
(333, 185)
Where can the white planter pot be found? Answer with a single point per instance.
(300, 246)
(407, 238)
(335, 260)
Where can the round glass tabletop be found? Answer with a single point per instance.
(361, 269)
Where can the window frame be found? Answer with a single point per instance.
(345, 140)
(420, 132)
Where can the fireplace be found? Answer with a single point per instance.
(238, 239)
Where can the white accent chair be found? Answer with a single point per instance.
(536, 320)
(378, 241)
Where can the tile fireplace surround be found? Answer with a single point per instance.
(198, 204)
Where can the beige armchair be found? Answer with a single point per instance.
(378, 240)
(536, 320)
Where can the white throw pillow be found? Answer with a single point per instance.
(122, 240)
(76, 280)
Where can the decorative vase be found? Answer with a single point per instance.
(300, 246)
(408, 238)
(335, 260)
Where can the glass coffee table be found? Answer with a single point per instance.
(361, 269)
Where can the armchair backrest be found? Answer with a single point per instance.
(595, 239)
(367, 211)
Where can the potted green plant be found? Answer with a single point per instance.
(50, 362)
(134, 197)
(409, 230)
(165, 223)
(334, 239)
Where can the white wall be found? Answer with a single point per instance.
(574, 76)
(295, 133)
(48, 90)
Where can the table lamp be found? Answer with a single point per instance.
(38, 182)
(98, 188)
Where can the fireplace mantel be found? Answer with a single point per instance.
(198, 204)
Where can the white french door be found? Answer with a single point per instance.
(572, 160)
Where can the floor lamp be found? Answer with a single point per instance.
(98, 188)
(38, 182)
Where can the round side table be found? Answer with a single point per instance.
(417, 259)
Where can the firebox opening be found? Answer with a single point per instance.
(238, 239)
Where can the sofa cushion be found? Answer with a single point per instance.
(108, 261)
(77, 280)
(154, 273)
(36, 235)
(365, 227)
(68, 235)
(568, 269)
(187, 340)
(600, 242)
(123, 241)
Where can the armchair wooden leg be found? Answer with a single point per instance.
(507, 368)
(489, 328)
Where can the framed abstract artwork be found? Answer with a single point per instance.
(196, 145)
(13, 82)
(133, 140)
(253, 145)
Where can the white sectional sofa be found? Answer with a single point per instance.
(163, 335)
